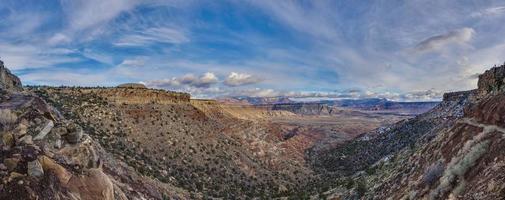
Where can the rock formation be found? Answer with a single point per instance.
(493, 80)
(8, 81)
(132, 85)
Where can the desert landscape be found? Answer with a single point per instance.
(211, 100)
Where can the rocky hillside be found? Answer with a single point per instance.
(454, 151)
(195, 145)
(44, 155)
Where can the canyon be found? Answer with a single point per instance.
(132, 142)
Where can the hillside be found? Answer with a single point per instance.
(455, 151)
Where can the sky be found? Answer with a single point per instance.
(401, 50)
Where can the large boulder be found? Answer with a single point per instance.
(9, 81)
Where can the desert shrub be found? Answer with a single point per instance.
(7, 118)
(458, 167)
(433, 173)
(361, 187)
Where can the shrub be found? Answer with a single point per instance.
(7, 118)
(361, 187)
(433, 173)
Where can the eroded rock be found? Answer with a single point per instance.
(9, 81)
(35, 169)
(47, 128)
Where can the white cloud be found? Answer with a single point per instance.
(58, 39)
(459, 36)
(185, 82)
(135, 62)
(239, 79)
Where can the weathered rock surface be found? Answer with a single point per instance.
(8, 81)
(493, 80)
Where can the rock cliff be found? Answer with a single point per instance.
(493, 80)
(8, 81)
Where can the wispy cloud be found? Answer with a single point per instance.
(152, 36)
(492, 11)
(18, 57)
(459, 36)
(84, 14)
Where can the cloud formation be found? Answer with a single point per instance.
(459, 36)
(303, 47)
(239, 79)
(189, 80)
(153, 36)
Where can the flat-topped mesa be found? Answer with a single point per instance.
(142, 96)
(9, 81)
(458, 96)
(491, 81)
(132, 86)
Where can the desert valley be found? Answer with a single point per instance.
(133, 142)
(252, 100)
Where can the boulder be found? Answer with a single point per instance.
(26, 140)
(11, 163)
(74, 133)
(35, 169)
(45, 130)
(93, 184)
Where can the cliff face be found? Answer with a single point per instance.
(493, 80)
(8, 81)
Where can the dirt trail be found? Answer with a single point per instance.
(488, 128)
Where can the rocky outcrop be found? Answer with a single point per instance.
(8, 81)
(493, 80)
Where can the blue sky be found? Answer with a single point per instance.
(401, 50)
